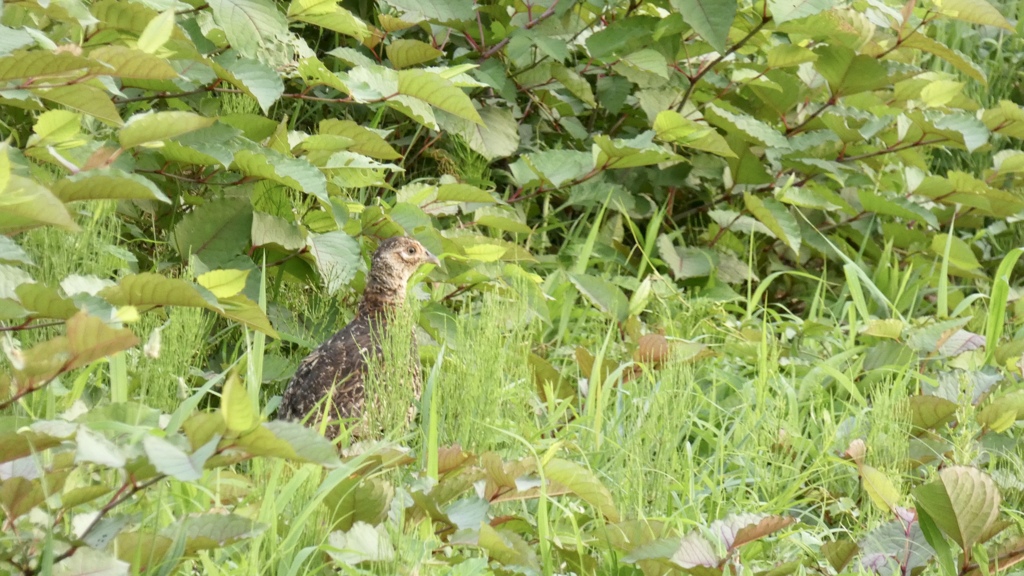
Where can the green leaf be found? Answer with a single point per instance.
(222, 226)
(25, 204)
(960, 254)
(786, 55)
(620, 153)
(927, 412)
(223, 283)
(289, 440)
(786, 10)
(107, 184)
(583, 483)
(159, 126)
(751, 128)
(236, 406)
(774, 215)
(327, 14)
(672, 126)
(974, 11)
(404, 53)
(89, 339)
(574, 83)
(252, 77)
(45, 302)
(250, 25)
(295, 173)
(338, 258)
(606, 296)
(94, 447)
(157, 33)
(962, 188)
(149, 289)
(918, 41)
(11, 252)
(879, 488)
(40, 63)
(440, 10)
(438, 92)
(1003, 412)
(896, 206)
(89, 561)
(362, 543)
(712, 19)
(84, 98)
(364, 140)
(848, 72)
(497, 137)
(128, 63)
(963, 502)
(268, 229)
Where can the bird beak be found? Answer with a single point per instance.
(431, 259)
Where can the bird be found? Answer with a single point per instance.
(330, 382)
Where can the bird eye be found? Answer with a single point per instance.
(411, 250)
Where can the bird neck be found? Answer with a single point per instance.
(383, 294)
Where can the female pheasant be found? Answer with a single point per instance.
(329, 382)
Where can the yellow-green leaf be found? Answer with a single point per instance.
(438, 92)
(236, 406)
(159, 126)
(157, 32)
(404, 53)
(879, 488)
(223, 283)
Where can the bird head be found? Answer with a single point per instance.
(394, 262)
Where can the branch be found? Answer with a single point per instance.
(497, 47)
(713, 63)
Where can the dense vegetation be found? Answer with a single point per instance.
(727, 285)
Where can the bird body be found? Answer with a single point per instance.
(331, 381)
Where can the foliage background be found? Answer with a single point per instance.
(710, 268)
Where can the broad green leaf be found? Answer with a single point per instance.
(440, 10)
(365, 141)
(960, 253)
(337, 257)
(963, 502)
(107, 184)
(268, 229)
(36, 63)
(223, 283)
(291, 441)
(848, 72)
(295, 173)
(222, 226)
(485, 252)
(84, 98)
(149, 290)
(712, 19)
(159, 126)
(896, 206)
(583, 483)
(974, 11)
(463, 193)
(941, 92)
(553, 168)
(404, 53)
(125, 62)
(252, 77)
(438, 92)
(45, 302)
(928, 412)
(502, 223)
(751, 128)
(328, 14)
(246, 312)
(574, 83)
(88, 560)
(786, 55)
(361, 543)
(962, 188)
(672, 126)
(24, 204)
(12, 252)
(170, 460)
(786, 10)
(94, 447)
(1006, 119)
(55, 127)
(157, 33)
(236, 406)
(879, 488)
(606, 296)
(213, 531)
(1003, 412)
(497, 137)
(620, 153)
(89, 339)
(774, 215)
(250, 25)
(918, 41)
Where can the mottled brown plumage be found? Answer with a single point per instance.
(330, 382)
